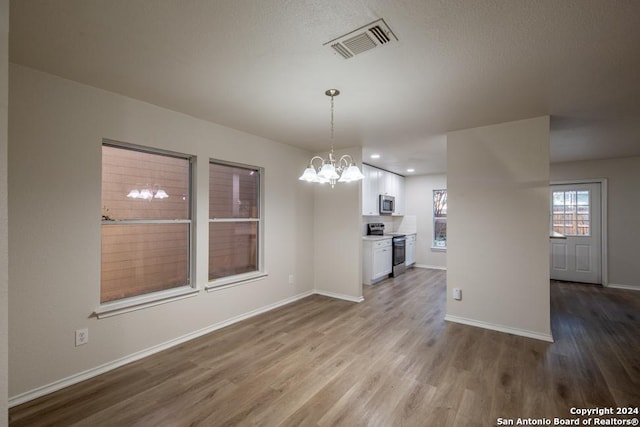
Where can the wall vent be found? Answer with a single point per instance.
(367, 37)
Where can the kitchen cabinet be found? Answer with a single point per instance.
(377, 260)
(410, 250)
(399, 195)
(388, 183)
(377, 181)
(370, 190)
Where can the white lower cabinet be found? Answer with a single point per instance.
(377, 260)
(410, 250)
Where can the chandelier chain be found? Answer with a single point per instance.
(331, 123)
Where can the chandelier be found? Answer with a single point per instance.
(329, 170)
(148, 193)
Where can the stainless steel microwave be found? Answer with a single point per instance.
(387, 204)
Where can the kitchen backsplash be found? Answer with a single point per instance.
(407, 224)
(392, 224)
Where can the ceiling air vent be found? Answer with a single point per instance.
(367, 37)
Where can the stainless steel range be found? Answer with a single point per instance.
(375, 229)
(399, 248)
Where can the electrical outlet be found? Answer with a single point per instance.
(82, 336)
(291, 279)
(457, 294)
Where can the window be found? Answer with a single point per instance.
(235, 222)
(571, 213)
(440, 219)
(146, 222)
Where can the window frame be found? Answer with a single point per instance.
(137, 302)
(260, 272)
(576, 220)
(436, 219)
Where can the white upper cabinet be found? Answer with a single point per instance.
(370, 190)
(377, 181)
(388, 184)
(399, 208)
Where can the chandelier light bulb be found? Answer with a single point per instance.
(309, 175)
(146, 194)
(160, 194)
(328, 171)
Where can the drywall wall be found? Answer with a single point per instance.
(4, 237)
(498, 226)
(337, 237)
(623, 177)
(419, 202)
(55, 135)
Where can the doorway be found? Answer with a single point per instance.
(577, 214)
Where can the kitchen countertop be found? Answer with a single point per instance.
(386, 236)
(376, 237)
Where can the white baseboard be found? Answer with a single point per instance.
(432, 267)
(499, 328)
(628, 287)
(339, 296)
(90, 373)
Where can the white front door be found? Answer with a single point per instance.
(576, 214)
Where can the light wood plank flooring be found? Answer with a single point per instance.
(389, 361)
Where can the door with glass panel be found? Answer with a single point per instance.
(576, 215)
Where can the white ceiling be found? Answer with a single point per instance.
(260, 66)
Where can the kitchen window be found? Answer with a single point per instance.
(439, 219)
(146, 225)
(235, 223)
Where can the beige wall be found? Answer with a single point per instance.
(337, 237)
(498, 218)
(623, 179)
(56, 131)
(4, 246)
(419, 202)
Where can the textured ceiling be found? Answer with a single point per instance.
(260, 66)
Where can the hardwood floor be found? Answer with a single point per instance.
(389, 361)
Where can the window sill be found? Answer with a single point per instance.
(438, 249)
(229, 282)
(144, 301)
